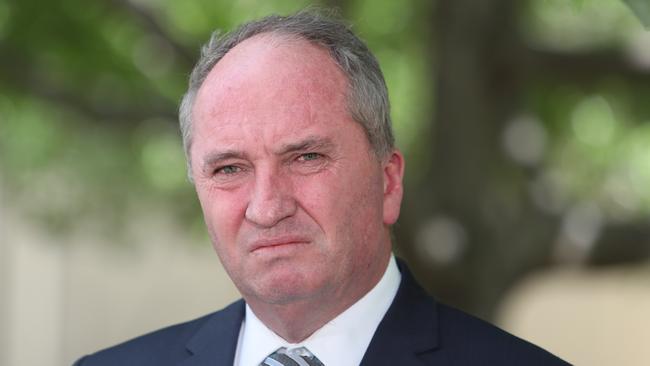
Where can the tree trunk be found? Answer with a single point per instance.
(499, 233)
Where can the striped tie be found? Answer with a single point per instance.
(293, 357)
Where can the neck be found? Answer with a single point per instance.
(295, 321)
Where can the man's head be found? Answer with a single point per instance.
(366, 97)
(297, 195)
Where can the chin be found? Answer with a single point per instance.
(289, 287)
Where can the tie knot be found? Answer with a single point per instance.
(299, 356)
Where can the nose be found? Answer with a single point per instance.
(271, 199)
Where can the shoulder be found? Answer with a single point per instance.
(166, 343)
(441, 334)
(165, 346)
(479, 342)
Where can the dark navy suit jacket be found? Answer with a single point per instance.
(416, 330)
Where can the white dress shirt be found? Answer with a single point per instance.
(341, 342)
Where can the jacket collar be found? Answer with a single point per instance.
(215, 342)
(411, 323)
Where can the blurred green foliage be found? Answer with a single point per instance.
(599, 143)
(89, 91)
(642, 10)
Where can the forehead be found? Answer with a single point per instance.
(275, 74)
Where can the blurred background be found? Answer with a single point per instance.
(525, 123)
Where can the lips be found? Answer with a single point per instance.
(277, 243)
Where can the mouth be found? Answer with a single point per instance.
(277, 243)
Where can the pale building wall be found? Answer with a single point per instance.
(596, 317)
(64, 300)
(34, 297)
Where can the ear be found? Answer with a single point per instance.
(393, 172)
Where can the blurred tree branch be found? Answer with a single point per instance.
(641, 9)
(25, 76)
(622, 243)
(148, 20)
(584, 68)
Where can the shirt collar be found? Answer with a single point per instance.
(342, 341)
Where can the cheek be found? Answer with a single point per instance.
(362, 203)
(317, 195)
(223, 213)
(345, 207)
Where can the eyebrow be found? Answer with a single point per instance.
(309, 143)
(215, 157)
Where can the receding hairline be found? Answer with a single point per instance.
(278, 38)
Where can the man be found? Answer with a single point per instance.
(287, 133)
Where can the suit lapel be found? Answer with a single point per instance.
(215, 343)
(409, 328)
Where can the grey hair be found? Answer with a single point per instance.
(367, 96)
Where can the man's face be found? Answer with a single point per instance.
(296, 203)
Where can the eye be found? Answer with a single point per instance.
(309, 163)
(310, 156)
(228, 169)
